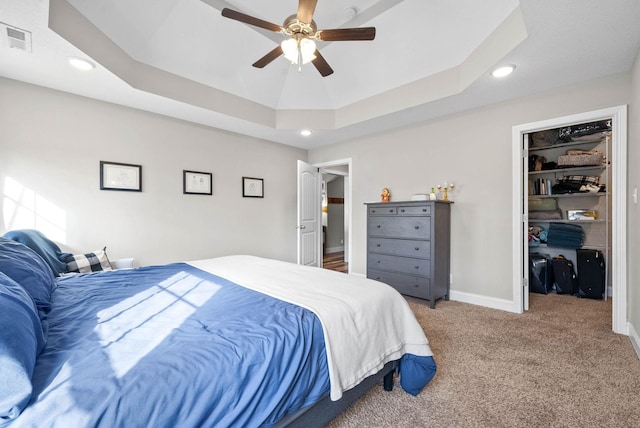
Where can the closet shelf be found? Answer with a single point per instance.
(570, 169)
(571, 195)
(569, 144)
(596, 221)
(584, 247)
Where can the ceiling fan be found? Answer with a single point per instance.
(301, 31)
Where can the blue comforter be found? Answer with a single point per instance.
(170, 346)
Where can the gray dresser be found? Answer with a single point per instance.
(408, 246)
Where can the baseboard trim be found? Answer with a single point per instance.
(489, 302)
(334, 249)
(635, 338)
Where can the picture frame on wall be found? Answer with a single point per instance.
(252, 187)
(120, 176)
(197, 183)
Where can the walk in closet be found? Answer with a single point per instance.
(569, 188)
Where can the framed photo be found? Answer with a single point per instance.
(252, 187)
(197, 183)
(120, 176)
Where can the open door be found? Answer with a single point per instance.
(525, 223)
(309, 220)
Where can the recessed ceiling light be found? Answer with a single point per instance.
(80, 63)
(305, 132)
(503, 71)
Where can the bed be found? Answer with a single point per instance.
(230, 341)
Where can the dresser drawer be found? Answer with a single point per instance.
(405, 284)
(419, 210)
(400, 227)
(400, 247)
(383, 210)
(399, 264)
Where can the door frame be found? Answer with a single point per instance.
(327, 168)
(618, 154)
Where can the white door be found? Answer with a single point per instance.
(525, 223)
(309, 219)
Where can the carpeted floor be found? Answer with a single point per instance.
(558, 365)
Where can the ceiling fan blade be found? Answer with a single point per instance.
(321, 64)
(239, 16)
(306, 8)
(341, 34)
(265, 60)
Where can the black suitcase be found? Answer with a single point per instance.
(591, 273)
(564, 275)
(540, 273)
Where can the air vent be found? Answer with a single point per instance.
(14, 37)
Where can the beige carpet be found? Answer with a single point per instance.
(558, 365)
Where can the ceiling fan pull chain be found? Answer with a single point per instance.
(299, 57)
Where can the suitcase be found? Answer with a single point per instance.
(540, 273)
(591, 273)
(564, 275)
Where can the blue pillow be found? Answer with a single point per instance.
(416, 372)
(44, 247)
(25, 267)
(21, 340)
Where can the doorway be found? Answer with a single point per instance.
(336, 213)
(333, 221)
(618, 117)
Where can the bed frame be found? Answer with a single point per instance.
(322, 412)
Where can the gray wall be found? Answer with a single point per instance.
(633, 298)
(51, 144)
(472, 150)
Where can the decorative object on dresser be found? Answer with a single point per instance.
(443, 191)
(386, 195)
(408, 247)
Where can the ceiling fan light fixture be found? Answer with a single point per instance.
(293, 50)
(305, 132)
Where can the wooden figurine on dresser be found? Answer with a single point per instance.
(386, 195)
(408, 247)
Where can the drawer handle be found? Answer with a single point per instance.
(391, 210)
(402, 210)
(378, 261)
(378, 226)
(378, 245)
(417, 227)
(373, 211)
(424, 210)
(377, 278)
(417, 285)
(417, 267)
(417, 248)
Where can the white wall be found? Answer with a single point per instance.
(51, 144)
(633, 225)
(472, 150)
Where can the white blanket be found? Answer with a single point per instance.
(366, 323)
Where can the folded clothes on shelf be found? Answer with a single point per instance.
(565, 235)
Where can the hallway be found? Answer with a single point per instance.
(335, 261)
